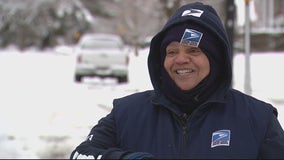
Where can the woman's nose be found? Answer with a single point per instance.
(182, 58)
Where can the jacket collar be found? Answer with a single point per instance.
(160, 100)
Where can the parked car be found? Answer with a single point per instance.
(101, 55)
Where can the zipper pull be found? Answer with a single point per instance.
(184, 118)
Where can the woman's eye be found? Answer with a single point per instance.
(171, 53)
(194, 51)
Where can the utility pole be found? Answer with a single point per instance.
(247, 85)
(230, 20)
(230, 23)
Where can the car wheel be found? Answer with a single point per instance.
(78, 78)
(122, 79)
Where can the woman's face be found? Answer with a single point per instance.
(186, 65)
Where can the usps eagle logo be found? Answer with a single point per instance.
(191, 37)
(221, 138)
(192, 12)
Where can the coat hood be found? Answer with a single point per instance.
(201, 15)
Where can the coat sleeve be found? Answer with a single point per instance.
(101, 142)
(273, 145)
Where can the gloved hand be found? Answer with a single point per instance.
(138, 155)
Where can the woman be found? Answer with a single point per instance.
(192, 111)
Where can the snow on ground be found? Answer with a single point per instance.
(266, 78)
(44, 114)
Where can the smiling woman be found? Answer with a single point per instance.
(192, 111)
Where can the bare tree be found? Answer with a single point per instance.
(169, 6)
(135, 20)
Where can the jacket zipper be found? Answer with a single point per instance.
(184, 121)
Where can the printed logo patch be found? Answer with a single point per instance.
(191, 38)
(90, 137)
(221, 138)
(192, 12)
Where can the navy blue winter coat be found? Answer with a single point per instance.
(229, 124)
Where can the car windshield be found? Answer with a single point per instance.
(100, 44)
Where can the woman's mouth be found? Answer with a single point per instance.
(184, 71)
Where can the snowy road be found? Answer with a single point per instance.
(42, 108)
